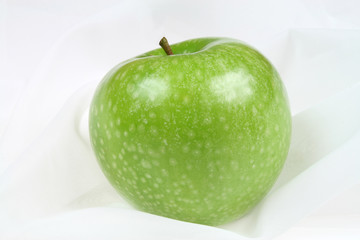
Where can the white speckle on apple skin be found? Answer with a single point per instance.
(185, 149)
(117, 134)
(152, 115)
(108, 134)
(276, 127)
(172, 161)
(164, 172)
(145, 164)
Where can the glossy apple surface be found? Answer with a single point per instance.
(199, 136)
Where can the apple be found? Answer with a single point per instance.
(198, 132)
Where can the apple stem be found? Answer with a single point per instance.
(165, 45)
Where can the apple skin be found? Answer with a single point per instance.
(199, 136)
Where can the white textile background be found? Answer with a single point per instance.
(54, 53)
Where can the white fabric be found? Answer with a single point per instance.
(50, 184)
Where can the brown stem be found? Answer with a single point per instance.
(165, 45)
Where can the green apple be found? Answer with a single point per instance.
(199, 135)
